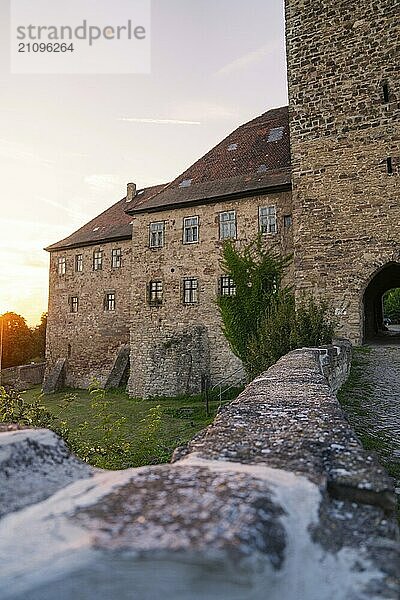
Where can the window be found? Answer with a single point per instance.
(157, 234)
(74, 304)
(275, 134)
(389, 166)
(287, 220)
(227, 225)
(109, 303)
(62, 265)
(155, 292)
(185, 183)
(267, 219)
(116, 258)
(190, 230)
(79, 263)
(190, 291)
(97, 260)
(227, 286)
(385, 89)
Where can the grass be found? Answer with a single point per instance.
(118, 432)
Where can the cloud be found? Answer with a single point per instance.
(77, 214)
(15, 151)
(207, 111)
(103, 182)
(159, 121)
(30, 227)
(245, 61)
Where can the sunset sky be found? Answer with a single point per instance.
(70, 143)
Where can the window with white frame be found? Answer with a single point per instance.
(190, 290)
(157, 234)
(79, 263)
(267, 219)
(155, 292)
(62, 265)
(74, 304)
(227, 286)
(190, 230)
(227, 225)
(116, 258)
(97, 260)
(109, 301)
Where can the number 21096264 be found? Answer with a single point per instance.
(42, 47)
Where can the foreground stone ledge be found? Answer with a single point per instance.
(34, 464)
(248, 511)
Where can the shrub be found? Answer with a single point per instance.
(391, 305)
(261, 322)
(257, 274)
(14, 408)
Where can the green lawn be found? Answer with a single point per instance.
(119, 432)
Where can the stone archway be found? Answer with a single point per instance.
(384, 279)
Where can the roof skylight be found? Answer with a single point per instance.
(185, 183)
(232, 147)
(275, 134)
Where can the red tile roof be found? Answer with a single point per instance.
(113, 224)
(255, 156)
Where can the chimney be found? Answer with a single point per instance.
(130, 192)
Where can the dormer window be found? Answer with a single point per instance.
(275, 134)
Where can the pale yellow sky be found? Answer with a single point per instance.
(70, 143)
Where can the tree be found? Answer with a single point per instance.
(38, 345)
(257, 274)
(391, 304)
(16, 348)
(261, 322)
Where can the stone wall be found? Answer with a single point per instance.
(169, 355)
(90, 339)
(276, 499)
(346, 209)
(24, 376)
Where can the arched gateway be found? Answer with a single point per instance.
(385, 279)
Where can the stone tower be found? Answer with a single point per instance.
(344, 103)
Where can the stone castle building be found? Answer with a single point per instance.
(141, 279)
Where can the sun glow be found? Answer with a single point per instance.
(23, 278)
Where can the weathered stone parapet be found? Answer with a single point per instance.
(276, 499)
(24, 376)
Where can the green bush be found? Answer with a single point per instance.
(257, 274)
(285, 328)
(261, 321)
(14, 408)
(116, 450)
(391, 305)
